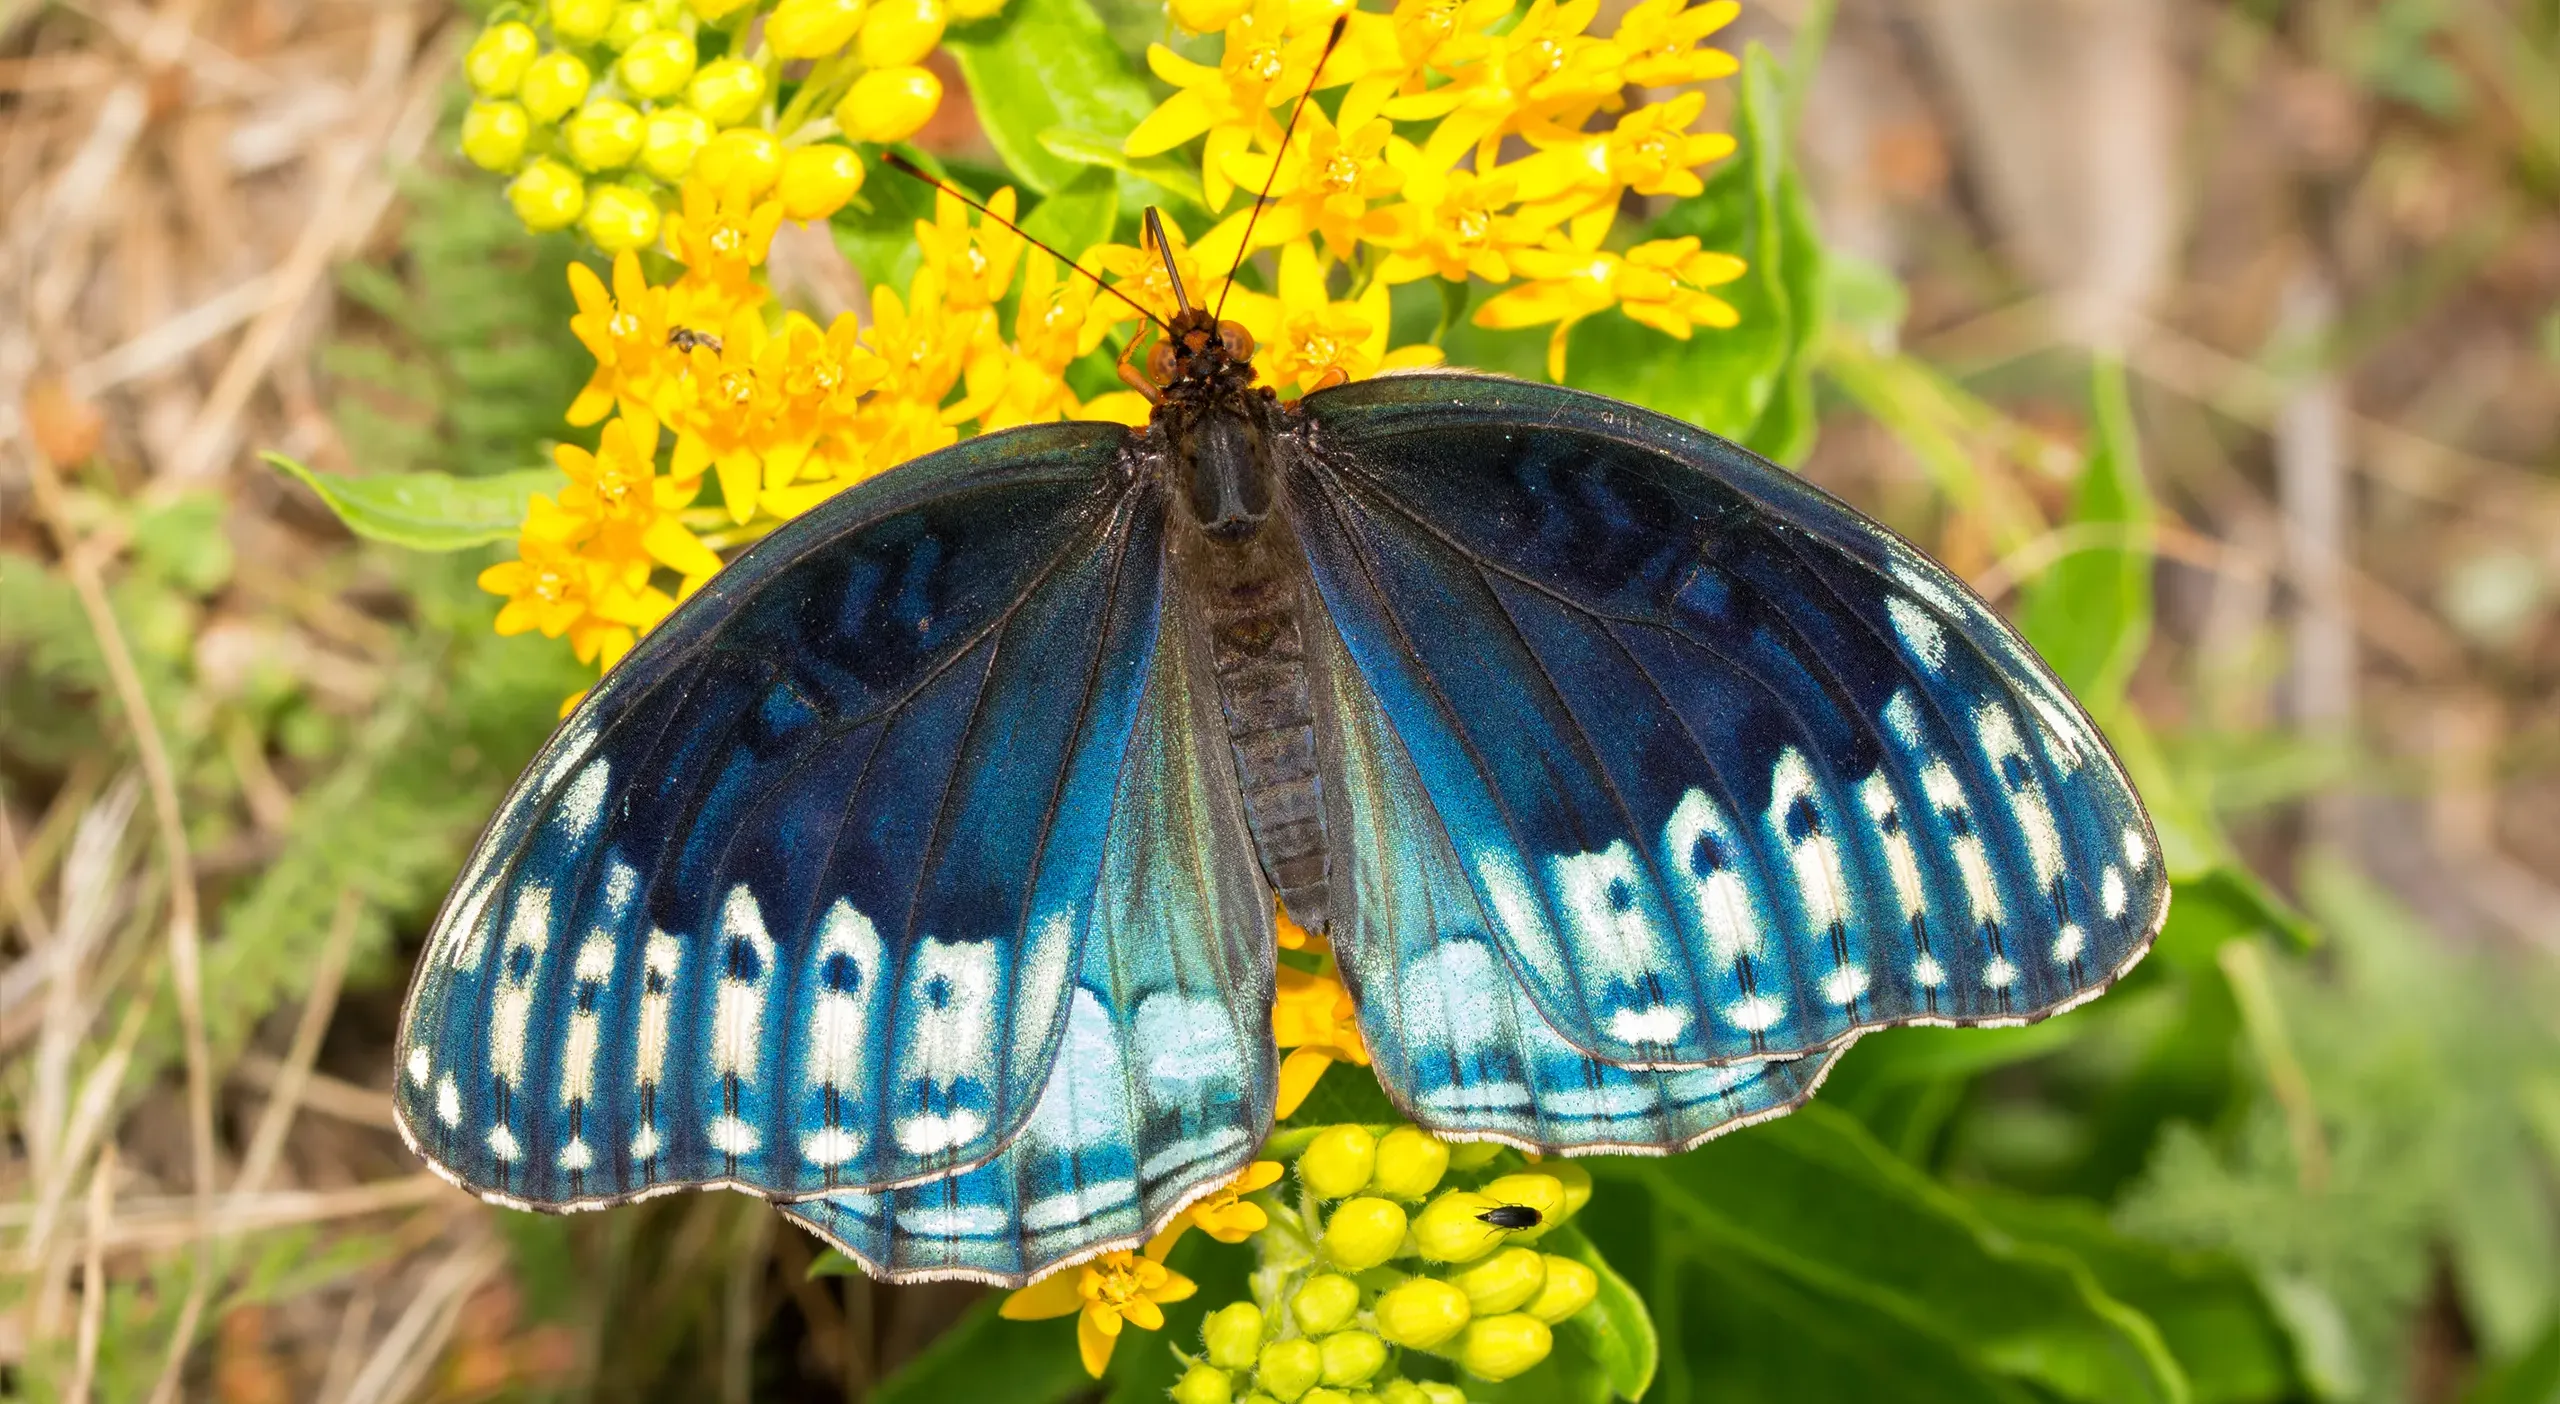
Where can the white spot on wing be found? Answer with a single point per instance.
(420, 1063)
(1844, 985)
(1186, 1040)
(737, 1018)
(1515, 910)
(1442, 1004)
(1884, 815)
(949, 1008)
(659, 958)
(528, 930)
(1819, 884)
(1723, 903)
(644, 1143)
(583, 802)
(1756, 1013)
(1920, 632)
(2137, 849)
(832, 1146)
(1085, 1104)
(1999, 974)
(502, 1143)
(730, 1136)
(576, 1156)
(839, 1032)
(2111, 893)
(1602, 895)
(2067, 946)
(448, 1101)
(1928, 972)
(1659, 1023)
(926, 1133)
(2000, 745)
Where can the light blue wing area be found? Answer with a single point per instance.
(1451, 1032)
(792, 900)
(1164, 1080)
(1736, 771)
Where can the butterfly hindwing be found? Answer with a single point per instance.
(1736, 772)
(793, 899)
(1452, 1034)
(1165, 1076)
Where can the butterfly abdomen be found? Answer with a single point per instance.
(1251, 594)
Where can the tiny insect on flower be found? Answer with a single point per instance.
(1116, 1288)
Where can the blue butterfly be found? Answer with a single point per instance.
(919, 872)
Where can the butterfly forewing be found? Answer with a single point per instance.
(792, 901)
(1733, 772)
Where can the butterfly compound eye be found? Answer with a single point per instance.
(1237, 340)
(1160, 363)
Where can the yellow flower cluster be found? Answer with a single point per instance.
(779, 413)
(1379, 1254)
(599, 107)
(1403, 178)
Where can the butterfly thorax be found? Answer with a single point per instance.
(1246, 576)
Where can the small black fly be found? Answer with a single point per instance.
(686, 338)
(1512, 1217)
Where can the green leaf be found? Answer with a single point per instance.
(428, 511)
(2208, 1307)
(1041, 65)
(1821, 1214)
(2530, 1378)
(985, 1356)
(2090, 613)
(1162, 172)
(1786, 428)
(1079, 216)
(877, 232)
(1615, 1331)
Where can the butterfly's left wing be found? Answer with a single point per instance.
(1735, 772)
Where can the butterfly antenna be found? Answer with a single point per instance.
(1243, 250)
(1164, 250)
(906, 167)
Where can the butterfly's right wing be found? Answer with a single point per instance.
(807, 894)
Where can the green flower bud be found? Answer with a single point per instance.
(1351, 1357)
(1576, 1182)
(670, 139)
(1503, 1282)
(1449, 1230)
(499, 57)
(1289, 1368)
(547, 195)
(554, 83)
(1363, 1233)
(1326, 1302)
(1421, 1312)
(494, 133)
(631, 21)
(1473, 1155)
(658, 64)
(1327, 1396)
(605, 135)
(1337, 1163)
(583, 21)
(1498, 1347)
(1401, 1392)
(728, 91)
(1535, 1190)
(1410, 1163)
(1233, 1335)
(619, 217)
(1569, 1288)
(1438, 1393)
(1258, 1397)
(1204, 1384)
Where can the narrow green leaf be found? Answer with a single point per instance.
(2208, 1307)
(428, 511)
(1079, 216)
(1816, 1202)
(1615, 1330)
(1786, 428)
(1089, 149)
(2530, 1378)
(2089, 614)
(1046, 64)
(988, 1357)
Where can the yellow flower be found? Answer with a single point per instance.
(1658, 283)
(721, 238)
(1308, 338)
(1458, 223)
(1263, 66)
(548, 586)
(1650, 151)
(1331, 181)
(974, 264)
(729, 420)
(625, 330)
(1226, 1215)
(1293, 937)
(1116, 1288)
(1543, 70)
(1660, 40)
(1026, 382)
(1428, 34)
(815, 433)
(1314, 1016)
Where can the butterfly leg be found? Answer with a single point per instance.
(1132, 376)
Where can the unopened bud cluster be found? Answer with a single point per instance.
(1401, 1261)
(599, 108)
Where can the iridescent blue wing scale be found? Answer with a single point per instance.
(1734, 772)
(796, 899)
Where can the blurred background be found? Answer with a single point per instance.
(2321, 238)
